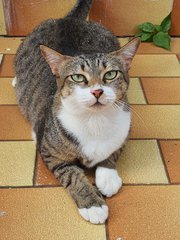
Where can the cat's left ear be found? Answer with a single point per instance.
(53, 58)
(127, 52)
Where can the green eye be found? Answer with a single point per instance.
(78, 78)
(110, 75)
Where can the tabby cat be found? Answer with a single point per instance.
(71, 84)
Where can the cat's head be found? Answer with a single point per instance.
(95, 81)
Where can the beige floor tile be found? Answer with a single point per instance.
(7, 92)
(155, 121)
(123, 41)
(145, 213)
(155, 65)
(140, 162)
(9, 45)
(17, 163)
(2, 20)
(135, 92)
(150, 48)
(44, 213)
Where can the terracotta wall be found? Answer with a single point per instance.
(23, 15)
(175, 28)
(123, 16)
(120, 16)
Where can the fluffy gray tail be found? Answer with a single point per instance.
(81, 9)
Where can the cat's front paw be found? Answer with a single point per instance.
(108, 181)
(95, 215)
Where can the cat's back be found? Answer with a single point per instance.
(69, 36)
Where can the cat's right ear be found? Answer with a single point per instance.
(53, 58)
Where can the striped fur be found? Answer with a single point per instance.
(45, 91)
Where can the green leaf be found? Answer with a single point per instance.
(162, 39)
(138, 34)
(166, 23)
(145, 37)
(158, 28)
(147, 27)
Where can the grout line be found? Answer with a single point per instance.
(160, 139)
(131, 76)
(149, 184)
(16, 140)
(106, 229)
(2, 61)
(8, 105)
(164, 162)
(157, 77)
(7, 76)
(37, 186)
(124, 185)
(144, 93)
(171, 53)
(35, 168)
(157, 104)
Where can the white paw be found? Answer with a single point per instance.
(96, 215)
(108, 181)
(14, 82)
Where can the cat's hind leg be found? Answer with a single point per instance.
(14, 81)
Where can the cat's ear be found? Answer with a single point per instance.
(53, 58)
(127, 52)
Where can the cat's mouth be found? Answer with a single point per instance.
(97, 105)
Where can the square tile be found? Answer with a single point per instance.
(44, 213)
(45, 177)
(7, 92)
(17, 163)
(155, 121)
(9, 45)
(140, 162)
(13, 125)
(162, 65)
(162, 90)
(145, 212)
(135, 92)
(171, 154)
(178, 57)
(123, 41)
(150, 48)
(7, 68)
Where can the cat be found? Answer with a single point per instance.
(71, 85)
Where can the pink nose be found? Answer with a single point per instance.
(97, 93)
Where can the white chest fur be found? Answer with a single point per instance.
(99, 134)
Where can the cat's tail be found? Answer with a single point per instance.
(81, 9)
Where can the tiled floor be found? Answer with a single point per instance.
(34, 206)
